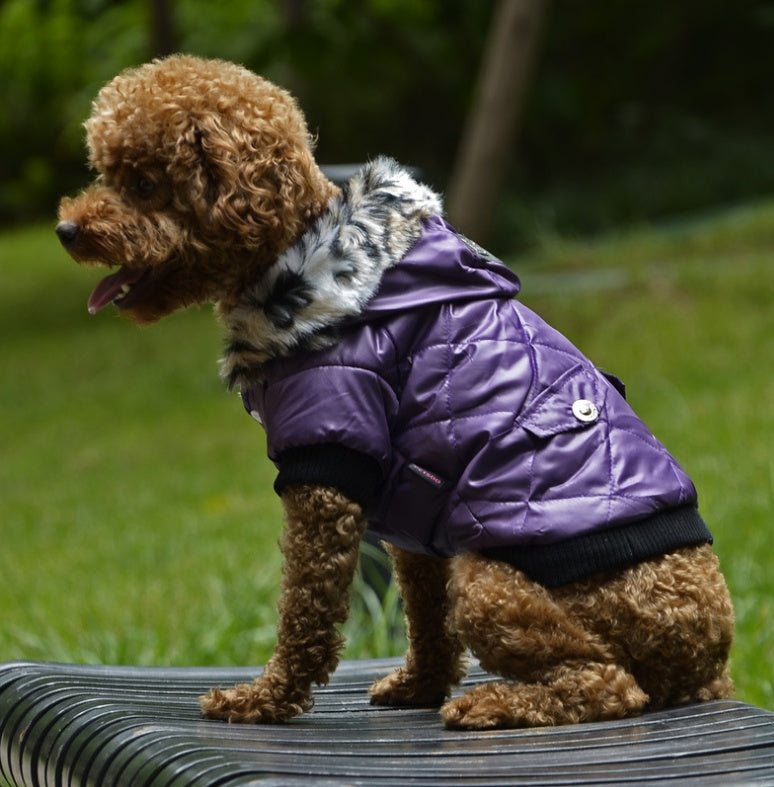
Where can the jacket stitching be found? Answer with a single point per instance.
(611, 485)
(448, 382)
(601, 496)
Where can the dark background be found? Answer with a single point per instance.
(638, 110)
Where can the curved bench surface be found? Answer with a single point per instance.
(63, 724)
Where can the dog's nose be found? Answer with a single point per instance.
(67, 232)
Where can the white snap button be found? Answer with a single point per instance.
(585, 410)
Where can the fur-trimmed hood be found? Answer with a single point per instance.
(330, 274)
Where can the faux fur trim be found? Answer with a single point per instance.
(330, 273)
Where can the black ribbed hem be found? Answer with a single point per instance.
(354, 474)
(576, 558)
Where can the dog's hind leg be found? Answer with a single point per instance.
(672, 617)
(434, 660)
(320, 546)
(519, 631)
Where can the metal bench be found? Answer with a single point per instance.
(64, 724)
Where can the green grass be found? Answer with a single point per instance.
(137, 521)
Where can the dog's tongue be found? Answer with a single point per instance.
(113, 286)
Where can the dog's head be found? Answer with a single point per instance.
(205, 174)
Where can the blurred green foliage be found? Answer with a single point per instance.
(639, 109)
(371, 76)
(643, 109)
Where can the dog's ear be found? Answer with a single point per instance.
(252, 186)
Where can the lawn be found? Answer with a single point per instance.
(137, 521)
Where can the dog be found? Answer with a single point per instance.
(532, 518)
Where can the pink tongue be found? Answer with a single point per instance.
(112, 286)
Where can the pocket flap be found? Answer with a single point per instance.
(573, 401)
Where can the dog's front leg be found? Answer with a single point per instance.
(434, 660)
(320, 546)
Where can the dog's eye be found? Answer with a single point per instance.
(144, 186)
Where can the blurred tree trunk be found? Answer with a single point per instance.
(294, 12)
(492, 123)
(163, 38)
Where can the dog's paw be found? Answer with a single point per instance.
(249, 703)
(595, 693)
(404, 688)
(487, 707)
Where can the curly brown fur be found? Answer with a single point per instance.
(320, 547)
(205, 174)
(653, 635)
(434, 661)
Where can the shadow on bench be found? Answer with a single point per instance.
(77, 725)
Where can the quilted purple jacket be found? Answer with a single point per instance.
(460, 420)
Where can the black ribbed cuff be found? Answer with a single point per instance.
(614, 548)
(354, 474)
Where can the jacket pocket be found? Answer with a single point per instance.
(574, 401)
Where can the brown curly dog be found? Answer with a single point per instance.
(207, 190)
